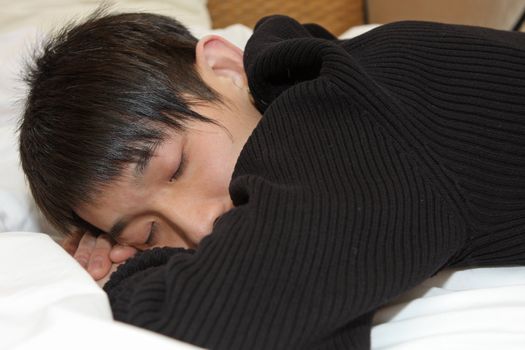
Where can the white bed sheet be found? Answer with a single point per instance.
(480, 308)
(48, 301)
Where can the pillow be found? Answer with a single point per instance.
(47, 14)
(17, 209)
(23, 23)
(357, 30)
(48, 301)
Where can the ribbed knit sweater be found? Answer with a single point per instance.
(378, 161)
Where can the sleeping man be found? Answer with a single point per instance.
(277, 197)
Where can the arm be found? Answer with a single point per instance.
(332, 220)
(296, 260)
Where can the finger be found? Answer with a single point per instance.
(99, 263)
(101, 282)
(120, 253)
(70, 242)
(85, 247)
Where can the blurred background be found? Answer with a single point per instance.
(499, 14)
(338, 15)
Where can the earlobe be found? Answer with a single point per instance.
(218, 55)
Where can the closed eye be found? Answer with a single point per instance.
(152, 235)
(180, 169)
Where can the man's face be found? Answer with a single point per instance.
(184, 188)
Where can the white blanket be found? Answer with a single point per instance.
(47, 301)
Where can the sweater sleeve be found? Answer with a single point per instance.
(334, 216)
(290, 265)
(454, 97)
(312, 247)
(272, 33)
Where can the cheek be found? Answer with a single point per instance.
(199, 237)
(218, 175)
(171, 239)
(216, 163)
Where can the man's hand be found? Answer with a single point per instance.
(100, 256)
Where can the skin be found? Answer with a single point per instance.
(183, 209)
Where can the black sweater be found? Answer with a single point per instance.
(378, 161)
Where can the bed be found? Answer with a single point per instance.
(48, 301)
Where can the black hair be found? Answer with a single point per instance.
(101, 92)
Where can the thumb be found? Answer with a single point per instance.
(120, 253)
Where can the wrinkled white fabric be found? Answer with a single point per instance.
(48, 301)
(48, 14)
(482, 308)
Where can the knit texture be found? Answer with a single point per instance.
(378, 161)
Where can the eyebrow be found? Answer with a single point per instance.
(116, 230)
(143, 161)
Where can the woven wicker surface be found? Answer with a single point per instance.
(334, 15)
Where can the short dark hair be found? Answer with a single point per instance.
(101, 92)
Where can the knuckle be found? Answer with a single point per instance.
(82, 256)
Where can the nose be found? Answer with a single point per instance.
(199, 219)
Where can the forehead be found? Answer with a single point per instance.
(111, 197)
(129, 185)
(120, 195)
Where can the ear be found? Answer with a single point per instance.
(216, 55)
